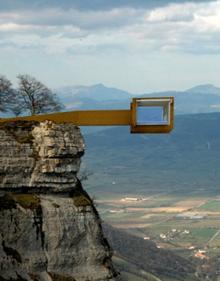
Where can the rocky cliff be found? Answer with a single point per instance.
(49, 227)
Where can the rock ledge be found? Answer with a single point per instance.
(49, 227)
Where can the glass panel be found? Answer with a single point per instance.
(152, 115)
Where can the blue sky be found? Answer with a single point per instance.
(139, 46)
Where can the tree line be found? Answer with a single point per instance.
(31, 97)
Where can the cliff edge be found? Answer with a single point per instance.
(49, 227)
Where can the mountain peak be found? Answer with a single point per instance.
(204, 89)
(99, 85)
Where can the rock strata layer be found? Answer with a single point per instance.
(49, 227)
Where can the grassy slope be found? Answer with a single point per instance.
(138, 255)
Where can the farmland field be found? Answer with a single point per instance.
(213, 206)
(186, 224)
(173, 221)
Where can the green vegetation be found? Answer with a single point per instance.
(82, 201)
(205, 233)
(213, 206)
(184, 235)
(27, 201)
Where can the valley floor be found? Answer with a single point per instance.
(187, 224)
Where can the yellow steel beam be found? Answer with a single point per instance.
(106, 118)
(82, 118)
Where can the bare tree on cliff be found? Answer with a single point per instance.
(6, 93)
(37, 98)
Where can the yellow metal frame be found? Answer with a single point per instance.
(102, 118)
(154, 129)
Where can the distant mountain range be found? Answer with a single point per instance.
(199, 99)
(205, 89)
(93, 97)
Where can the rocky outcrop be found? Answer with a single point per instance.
(49, 227)
(42, 156)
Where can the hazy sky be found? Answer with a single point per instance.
(139, 45)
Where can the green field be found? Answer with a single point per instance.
(213, 206)
(157, 215)
(144, 219)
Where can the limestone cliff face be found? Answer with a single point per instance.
(49, 228)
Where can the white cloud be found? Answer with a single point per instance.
(172, 12)
(11, 27)
(187, 27)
